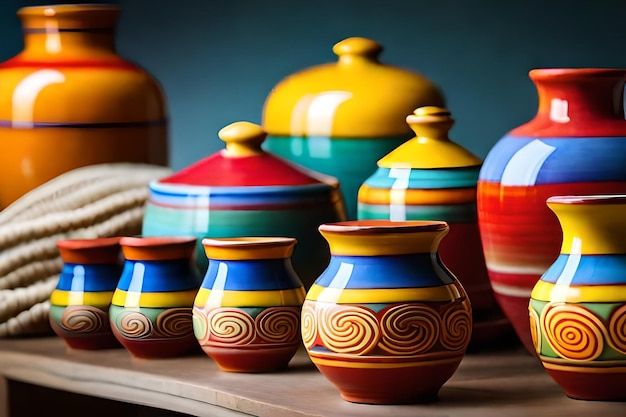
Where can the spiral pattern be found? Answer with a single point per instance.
(279, 325)
(308, 325)
(572, 331)
(134, 325)
(617, 330)
(348, 329)
(231, 326)
(409, 329)
(457, 327)
(534, 329)
(83, 319)
(174, 322)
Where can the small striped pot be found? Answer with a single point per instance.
(386, 322)
(578, 307)
(80, 302)
(151, 309)
(246, 315)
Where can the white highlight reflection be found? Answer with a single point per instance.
(26, 92)
(339, 282)
(397, 193)
(217, 291)
(135, 286)
(562, 289)
(523, 168)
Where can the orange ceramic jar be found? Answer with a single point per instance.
(68, 100)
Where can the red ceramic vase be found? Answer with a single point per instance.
(575, 145)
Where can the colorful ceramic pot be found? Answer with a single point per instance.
(339, 118)
(245, 191)
(575, 145)
(247, 313)
(151, 310)
(80, 302)
(578, 307)
(430, 177)
(68, 94)
(386, 322)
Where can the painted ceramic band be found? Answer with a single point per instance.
(268, 298)
(66, 298)
(131, 299)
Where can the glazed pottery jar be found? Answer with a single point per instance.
(247, 312)
(431, 177)
(578, 307)
(79, 304)
(245, 191)
(575, 145)
(339, 118)
(386, 322)
(151, 310)
(69, 95)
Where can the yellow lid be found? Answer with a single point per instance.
(355, 97)
(431, 148)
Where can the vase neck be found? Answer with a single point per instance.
(578, 102)
(71, 32)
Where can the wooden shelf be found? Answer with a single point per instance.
(510, 383)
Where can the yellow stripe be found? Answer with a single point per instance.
(371, 195)
(66, 298)
(352, 296)
(225, 298)
(154, 299)
(599, 369)
(383, 365)
(247, 248)
(547, 291)
(382, 244)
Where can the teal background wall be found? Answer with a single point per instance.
(218, 60)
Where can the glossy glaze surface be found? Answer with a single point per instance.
(386, 311)
(578, 307)
(68, 100)
(339, 118)
(247, 312)
(151, 309)
(79, 304)
(430, 177)
(245, 191)
(574, 146)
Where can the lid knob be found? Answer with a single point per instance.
(431, 122)
(242, 139)
(355, 49)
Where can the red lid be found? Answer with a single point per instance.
(243, 163)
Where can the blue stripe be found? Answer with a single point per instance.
(159, 276)
(428, 178)
(100, 125)
(94, 277)
(253, 275)
(591, 270)
(573, 160)
(371, 272)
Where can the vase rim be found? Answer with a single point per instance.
(245, 241)
(150, 241)
(52, 10)
(588, 199)
(384, 226)
(99, 242)
(540, 74)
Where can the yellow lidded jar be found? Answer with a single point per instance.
(339, 118)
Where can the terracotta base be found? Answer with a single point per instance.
(251, 360)
(86, 341)
(590, 383)
(376, 383)
(158, 348)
